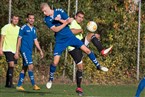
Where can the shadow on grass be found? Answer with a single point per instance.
(35, 92)
(42, 93)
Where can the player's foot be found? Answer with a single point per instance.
(35, 87)
(10, 86)
(104, 52)
(49, 84)
(20, 88)
(79, 91)
(102, 68)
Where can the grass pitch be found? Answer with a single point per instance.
(64, 90)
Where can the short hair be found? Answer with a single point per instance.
(80, 12)
(14, 15)
(29, 14)
(42, 5)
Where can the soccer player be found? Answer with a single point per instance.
(140, 88)
(76, 53)
(27, 38)
(9, 34)
(64, 38)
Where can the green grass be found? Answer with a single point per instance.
(64, 90)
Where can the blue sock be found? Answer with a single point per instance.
(31, 76)
(21, 79)
(52, 70)
(140, 88)
(94, 59)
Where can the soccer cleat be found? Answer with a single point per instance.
(10, 86)
(49, 84)
(79, 91)
(20, 88)
(104, 52)
(102, 68)
(35, 87)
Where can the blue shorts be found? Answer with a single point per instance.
(60, 47)
(27, 58)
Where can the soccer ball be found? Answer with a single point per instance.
(92, 26)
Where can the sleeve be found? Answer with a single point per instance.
(35, 35)
(63, 14)
(21, 32)
(74, 25)
(48, 22)
(4, 30)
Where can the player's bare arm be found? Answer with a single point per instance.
(77, 31)
(58, 28)
(39, 48)
(18, 48)
(1, 44)
(60, 20)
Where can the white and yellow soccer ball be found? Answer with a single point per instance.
(92, 26)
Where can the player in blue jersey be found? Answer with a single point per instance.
(64, 38)
(140, 88)
(27, 38)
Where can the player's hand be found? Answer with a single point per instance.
(16, 56)
(69, 20)
(57, 18)
(41, 53)
(82, 31)
(1, 52)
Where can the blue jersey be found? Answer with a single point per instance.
(64, 34)
(28, 36)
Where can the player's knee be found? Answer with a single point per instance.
(23, 71)
(97, 36)
(55, 63)
(30, 67)
(80, 69)
(90, 34)
(80, 66)
(11, 64)
(87, 51)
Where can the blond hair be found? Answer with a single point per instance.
(44, 5)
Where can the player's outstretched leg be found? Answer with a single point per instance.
(99, 46)
(51, 76)
(140, 88)
(94, 60)
(104, 52)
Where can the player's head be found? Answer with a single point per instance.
(46, 9)
(30, 18)
(79, 17)
(14, 19)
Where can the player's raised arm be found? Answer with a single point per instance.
(50, 18)
(73, 28)
(76, 31)
(58, 28)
